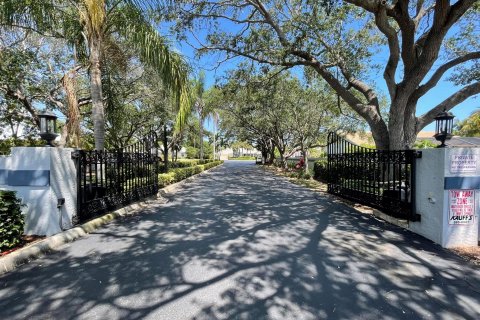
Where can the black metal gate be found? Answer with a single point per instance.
(108, 180)
(379, 178)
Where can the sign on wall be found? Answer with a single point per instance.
(463, 163)
(461, 207)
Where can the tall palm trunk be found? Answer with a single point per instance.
(165, 147)
(98, 111)
(201, 138)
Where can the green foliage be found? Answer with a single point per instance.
(121, 32)
(29, 69)
(164, 179)
(320, 170)
(237, 145)
(340, 44)
(469, 127)
(212, 164)
(241, 158)
(368, 145)
(184, 163)
(179, 174)
(207, 150)
(425, 144)
(12, 220)
(278, 110)
(192, 153)
(300, 174)
(316, 153)
(7, 144)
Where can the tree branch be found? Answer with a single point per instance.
(281, 36)
(432, 82)
(20, 97)
(447, 104)
(381, 20)
(371, 5)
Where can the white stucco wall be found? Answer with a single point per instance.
(42, 217)
(432, 198)
(430, 194)
(63, 183)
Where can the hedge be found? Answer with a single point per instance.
(179, 174)
(12, 220)
(242, 158)
(183, 163)
(320, 170)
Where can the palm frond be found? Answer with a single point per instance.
(39, 16)
(155, 51)
(93, 15)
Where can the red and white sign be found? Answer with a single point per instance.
(461, 207)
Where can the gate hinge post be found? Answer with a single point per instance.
(75, 154)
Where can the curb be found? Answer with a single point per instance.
(26, 254)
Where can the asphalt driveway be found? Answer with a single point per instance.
(241, 243)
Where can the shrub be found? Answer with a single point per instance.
(183, 163)
(320, 170)
(192, 152)
(179, 174)
(7, 144)
(12, 220)
(424, 144)
(212, 164)
(164, 179)
(242, 158)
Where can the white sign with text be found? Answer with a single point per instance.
(463, 163)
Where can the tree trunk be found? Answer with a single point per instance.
(264, 152)
(395, 125)
(63, 136)
(165, 147)
(283, 163)
(201, 138)
(305, 159)
(272, 155)
(72, 125)
(410, 126)
(98, 111)
(380, 133)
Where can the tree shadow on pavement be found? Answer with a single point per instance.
(238, 243)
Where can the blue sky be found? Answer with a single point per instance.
(443, 90)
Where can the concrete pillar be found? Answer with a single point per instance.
(448, 196)
(45, 179)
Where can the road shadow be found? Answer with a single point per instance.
(240, 243)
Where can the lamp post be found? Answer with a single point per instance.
(444, 127)
(48, 126)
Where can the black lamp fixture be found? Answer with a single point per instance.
(48, 126)
(444, 127)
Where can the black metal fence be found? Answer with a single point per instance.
(378, 178)
(108, 180)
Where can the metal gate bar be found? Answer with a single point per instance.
(107, 180)
(382, 179)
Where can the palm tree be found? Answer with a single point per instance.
(100, 22)
(199, 90)
(203, 105)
